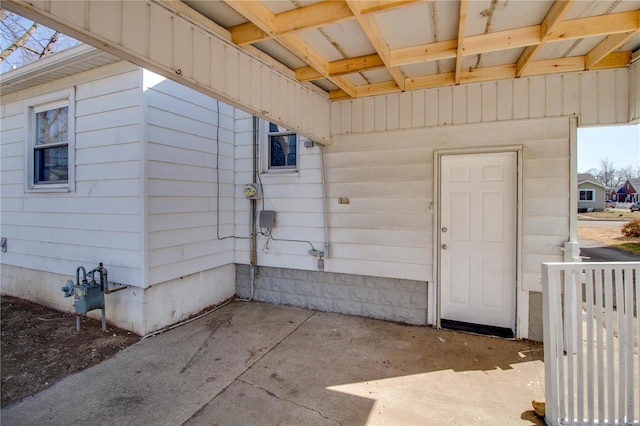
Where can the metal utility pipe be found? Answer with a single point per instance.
(327, 245)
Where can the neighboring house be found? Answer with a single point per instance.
(629, 192)
(439, 215)
(591, 193)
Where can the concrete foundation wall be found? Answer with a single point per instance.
(137, 309)
(375, 297)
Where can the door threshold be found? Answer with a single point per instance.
(486, 330)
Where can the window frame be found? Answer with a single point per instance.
(266, 150)
(37, 105)
(593, 195)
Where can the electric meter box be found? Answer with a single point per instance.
(267, 219)
(251, 191)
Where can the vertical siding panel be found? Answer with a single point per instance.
(393, 111)
(521, 98)
(431, 101)
(380, 122)
(489, 101)
(160, 37)
(345, 117)
(256, 80)
(405, 110)
(445, 105)
(369, 114)
(134, 24)
(553, 95)
(276, 92)
(101, 18)
(335, 117)
(537, 97)
(218, 67)
(606, 97)
(634, 91)
(356, 115)
(589, 98)
(202, 58)
(244, 77)
(474, 103)
(571, 94)
(183, 49)
(266, 85)
(505, 99)
(459, 104)
(417, 108)
(623, 95)
(232, 73)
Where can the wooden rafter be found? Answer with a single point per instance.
(462, 18)
(304, 18)
(605, 47)
(263, 18)
(370, 28)
(558, 10)
(342, 67)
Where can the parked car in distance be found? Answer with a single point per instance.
(609, 203)
(635, 207)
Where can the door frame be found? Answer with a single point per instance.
(522, 297)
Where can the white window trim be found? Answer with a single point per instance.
(40, 103)
(593, 196)
(264, 151)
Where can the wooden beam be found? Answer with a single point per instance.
(614, 60)
(376, 6)
(371, 29)
(502, 40)
(247, 33)
(558, 10)
(462, 18)
(423, 53)
(554, 66)
(593, 26)
(262, 17)
(605, 47)
(342, 67)
(429, 81)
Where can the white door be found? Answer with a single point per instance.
(478, 238)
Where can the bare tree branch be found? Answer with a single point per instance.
(49, 46)
(18, 43)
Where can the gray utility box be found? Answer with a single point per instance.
(267, 219)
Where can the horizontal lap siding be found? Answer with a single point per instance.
(387, 228)
(295, 197)
(101, 220)
(182, 203)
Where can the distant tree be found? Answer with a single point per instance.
(629, 172)
(23, 41)
(607, 174)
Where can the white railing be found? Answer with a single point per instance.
(591, 334)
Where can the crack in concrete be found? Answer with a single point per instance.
(268, 392)
(201, 409)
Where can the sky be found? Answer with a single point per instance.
(620, 144)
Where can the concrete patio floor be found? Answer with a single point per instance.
(257, 363)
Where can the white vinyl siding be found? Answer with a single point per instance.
(634, 92)
(101, 220)
(183, 203)
(387, 229)
(296, 198)
(597, 97)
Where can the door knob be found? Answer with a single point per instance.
(444, 246)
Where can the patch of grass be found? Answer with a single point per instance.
(630, 247)
(610, 236)
(612, 214)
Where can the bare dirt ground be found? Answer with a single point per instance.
(610, 236)
(40, 346)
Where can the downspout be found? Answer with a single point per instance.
(327, 245)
